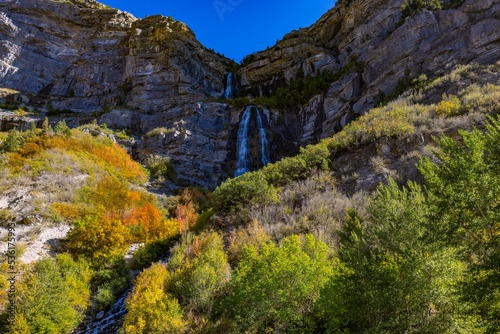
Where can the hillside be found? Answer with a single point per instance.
(369, 186)
(145, 74)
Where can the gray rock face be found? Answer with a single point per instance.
(200, 138)
(10, 121)
(167, 66)
(194, 136)
(331, 112)
(69, 54)
(85, 57)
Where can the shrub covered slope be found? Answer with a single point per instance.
(390, 226)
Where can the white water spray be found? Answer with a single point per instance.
(231, 91)
(243, 154)
(242, 151)
(264, 147)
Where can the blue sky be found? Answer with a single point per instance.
(235, 28)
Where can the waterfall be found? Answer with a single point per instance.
(264, 148)
(231, 91)
(243, 154)
(110, 320)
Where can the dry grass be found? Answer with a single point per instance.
(483, 99)
(310, 206)
(454, 76)
(378, 164)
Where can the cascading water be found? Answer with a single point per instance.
(231, 91)
(110, 319)
(243, 154)
(264, 147)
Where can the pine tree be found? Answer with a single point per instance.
(12, 142)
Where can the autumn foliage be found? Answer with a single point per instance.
(109, 209)
(186, 216)
(151, 309)
(99, 239)
(92, 154)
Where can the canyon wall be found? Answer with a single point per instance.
(144, 74)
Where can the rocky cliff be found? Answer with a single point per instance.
(143, 74)
(83, 57)
(390, 45)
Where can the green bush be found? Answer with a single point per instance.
(152, 252)
(203, 220)
(274, 289)
(157, 131)
(248, 60)
(9, 105)
(62, 129)
(110, 280)
(247, 189)
(199, 269)
(160, 168)
(240, 102)
(412, 7)
(286, 170)
(394, 120)
(105, 297)
(291, 169)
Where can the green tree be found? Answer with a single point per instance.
(12, 142)
(464, 190)
(160, 167)
(62, 129)
(46, 126)
(274, 289)
(198, 268)
(390, 279)
(32, 129)
(45, 301)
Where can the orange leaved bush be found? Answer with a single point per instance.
(136, 209)
(144, 219)
(186, 216)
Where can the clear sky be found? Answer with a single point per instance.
(234, 28)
